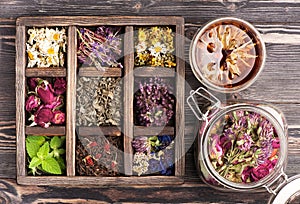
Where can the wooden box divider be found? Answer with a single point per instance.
(51, 131)
(71, 101)
(46, 72)
(128, 130)
(93, 71)
(128, 99)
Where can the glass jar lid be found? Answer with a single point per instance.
(289, 193)
(227, 54)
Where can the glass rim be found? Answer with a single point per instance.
(195, 68)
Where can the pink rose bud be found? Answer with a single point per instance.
(46, 92)
(43, 117)
(60, 86)
(58, 117)
(32, 83)
(32, 103)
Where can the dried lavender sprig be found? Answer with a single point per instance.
(101, 48)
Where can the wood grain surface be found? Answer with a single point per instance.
(279, 84)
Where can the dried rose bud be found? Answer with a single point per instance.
(43, 117)
(32, 83)
(32, 103)
(56, 103)
(60, 86)
(46, 92)
(58, 117)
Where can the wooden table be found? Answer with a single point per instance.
(279, 23)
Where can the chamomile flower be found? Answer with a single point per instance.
(141, 47)
(158, 49)
(46, 47)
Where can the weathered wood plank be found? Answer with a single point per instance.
(261, 11)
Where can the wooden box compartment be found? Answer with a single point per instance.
(86, 142)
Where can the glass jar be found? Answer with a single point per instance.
(227, 54)
(242, 146)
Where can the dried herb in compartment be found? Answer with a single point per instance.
(154, 102)
(45, 103)
(154, 46)
(99, 156)
(98, 101)
(153, 155)
(100, 47)
(46, 47)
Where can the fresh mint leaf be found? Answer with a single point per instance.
(50, 165)
(61, 151)
(58, 152)
(43, 151)
(61, 163)
(32, 148)
(36, 139)
(35, 162)
(55, 142)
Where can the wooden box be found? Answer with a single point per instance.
(128, 130)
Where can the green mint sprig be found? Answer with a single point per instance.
(45, 154)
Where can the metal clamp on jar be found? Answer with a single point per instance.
(241, 145)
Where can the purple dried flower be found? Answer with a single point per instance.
(141, 144)
(100, 48)
(244, 142)
(154, 103)
(216, 151)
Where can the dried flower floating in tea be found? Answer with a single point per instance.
(101, 48)
(45, 102)
(154, 102)
(98, 101)
(243, 147)
(46, 47)
(225, 54)
(153, 155)
(154, 47)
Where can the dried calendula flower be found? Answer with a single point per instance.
(154, 46)
(226, 55)
(46, 47)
